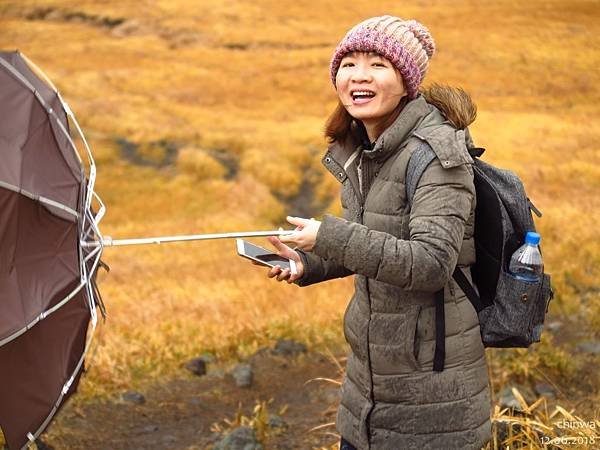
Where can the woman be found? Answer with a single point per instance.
(401, 256)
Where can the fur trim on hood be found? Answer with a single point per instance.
(454, 103)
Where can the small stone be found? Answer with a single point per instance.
(589, 347)
(545, 389)
(197, 366)
(242, 374)
(146, 429)
(134, 397)
(289, 347)
(168, 439)
(508, 400)
(505, 429)
(241, 438)
(276, 421)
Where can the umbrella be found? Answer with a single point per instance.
(48, 294)
(50, 250)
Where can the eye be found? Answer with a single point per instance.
(379, 64)
(347, 64)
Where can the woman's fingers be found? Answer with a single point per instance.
(279, 274)
(298, 221)
(285, 273)
(293, 277)
(275, 242)
(304, 239)
(274, 272)
(282, 249)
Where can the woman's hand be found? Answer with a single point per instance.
(305, 235)
(286, 252)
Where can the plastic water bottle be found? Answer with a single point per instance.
(526, 263)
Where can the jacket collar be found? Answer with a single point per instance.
(340, 157)
(396, 135)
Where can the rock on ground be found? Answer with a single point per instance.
(241, 438)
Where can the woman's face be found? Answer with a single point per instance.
(369, 87)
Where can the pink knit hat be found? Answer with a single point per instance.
(406, 43)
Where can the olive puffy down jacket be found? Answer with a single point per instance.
(391, 397)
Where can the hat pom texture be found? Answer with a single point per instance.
(407, 44)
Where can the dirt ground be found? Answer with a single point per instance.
(179, 414)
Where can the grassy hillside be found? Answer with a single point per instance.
(208, 117)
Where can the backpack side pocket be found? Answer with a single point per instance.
(542, 300)
(509, 321)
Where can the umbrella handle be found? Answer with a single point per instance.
(108, 241)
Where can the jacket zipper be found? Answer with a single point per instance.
(372, 397)
(361, 200)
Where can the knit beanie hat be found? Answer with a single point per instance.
(407, 44)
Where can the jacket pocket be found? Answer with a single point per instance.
(345, 323)
(393, 342)
(412, 338)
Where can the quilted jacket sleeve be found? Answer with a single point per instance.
(317, 269)
(441, 206)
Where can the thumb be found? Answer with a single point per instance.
(282, 249)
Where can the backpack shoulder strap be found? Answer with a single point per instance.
(468, 289)
(418, 162)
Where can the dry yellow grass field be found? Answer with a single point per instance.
(242, 90)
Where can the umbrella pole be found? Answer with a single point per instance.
(107, 241)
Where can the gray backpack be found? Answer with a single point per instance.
(511, 311)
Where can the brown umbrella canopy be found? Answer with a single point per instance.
(47, 286)
(50, 248)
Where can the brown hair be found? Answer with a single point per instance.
(341, 126)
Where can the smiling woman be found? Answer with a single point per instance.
(406, 385)
(370, 88)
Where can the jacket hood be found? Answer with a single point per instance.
(454, 103)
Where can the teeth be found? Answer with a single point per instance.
(363, 94)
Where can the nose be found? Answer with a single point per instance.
(361, 73)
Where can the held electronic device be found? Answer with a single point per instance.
(264, 256)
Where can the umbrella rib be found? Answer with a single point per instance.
(33, 436)
(38, 198)
(65, 389)
(17, 74)
(46, 107)
(42, 316)
(38, 71)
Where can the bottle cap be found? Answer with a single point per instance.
(532, 238)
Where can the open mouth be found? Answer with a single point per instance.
(362, 96)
